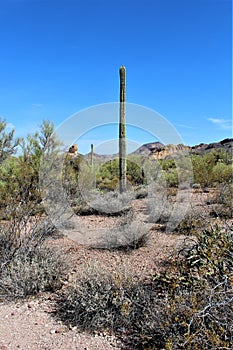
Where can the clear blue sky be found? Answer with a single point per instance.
(61, 56)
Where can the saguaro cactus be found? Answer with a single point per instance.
(92, 156)
(122, 131)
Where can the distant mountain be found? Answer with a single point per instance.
(156, 150)
(100, 157)
(226, 144)
(149, 148)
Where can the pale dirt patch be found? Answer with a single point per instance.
(29, 325)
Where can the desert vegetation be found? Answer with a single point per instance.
(186, 304)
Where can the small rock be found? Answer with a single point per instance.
(53, 331)
(31, 305)
(3, 347)
(62, 329)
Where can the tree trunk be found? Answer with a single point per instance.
(122, 131)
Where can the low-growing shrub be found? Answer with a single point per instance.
(27, 265)
(188, 305)
(92, 302)
(39, 270)
(141, 192)
(159, 210)
(222, 203)
(191, 224)
(113, 203)
(128, 235)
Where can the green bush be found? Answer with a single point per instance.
(222, 172)
(211, 168)
(108, 174)
(171, 177)
(19, 176)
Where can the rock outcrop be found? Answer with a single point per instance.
(73, 149)
(226, 144)
(156, 150)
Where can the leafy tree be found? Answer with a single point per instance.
(19, 179)
(8, 145)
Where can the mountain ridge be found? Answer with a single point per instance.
(157, 150)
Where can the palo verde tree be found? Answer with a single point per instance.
(19, 176)
(122, 131)
(8, 144)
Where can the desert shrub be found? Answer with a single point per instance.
(222, 173)
(159, 209)
(188, 305)
(141, 192)
(70, 175)
(92, 301)
(26, 265)
(199, 314)
(28, 273)
(222, 205)
(202, 167)
(167, 164)
(191, 224)
(110, 203)
(177, 170)
(211, 168)
(100, 300)
(129, 236)
(171, 177)
(108, 174)
(100, 203)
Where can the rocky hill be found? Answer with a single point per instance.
(156, 150)
(226, 144)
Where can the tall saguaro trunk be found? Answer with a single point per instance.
(92, 156)
(92, 167)
(122, 131)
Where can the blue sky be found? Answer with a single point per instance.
(59, 57)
